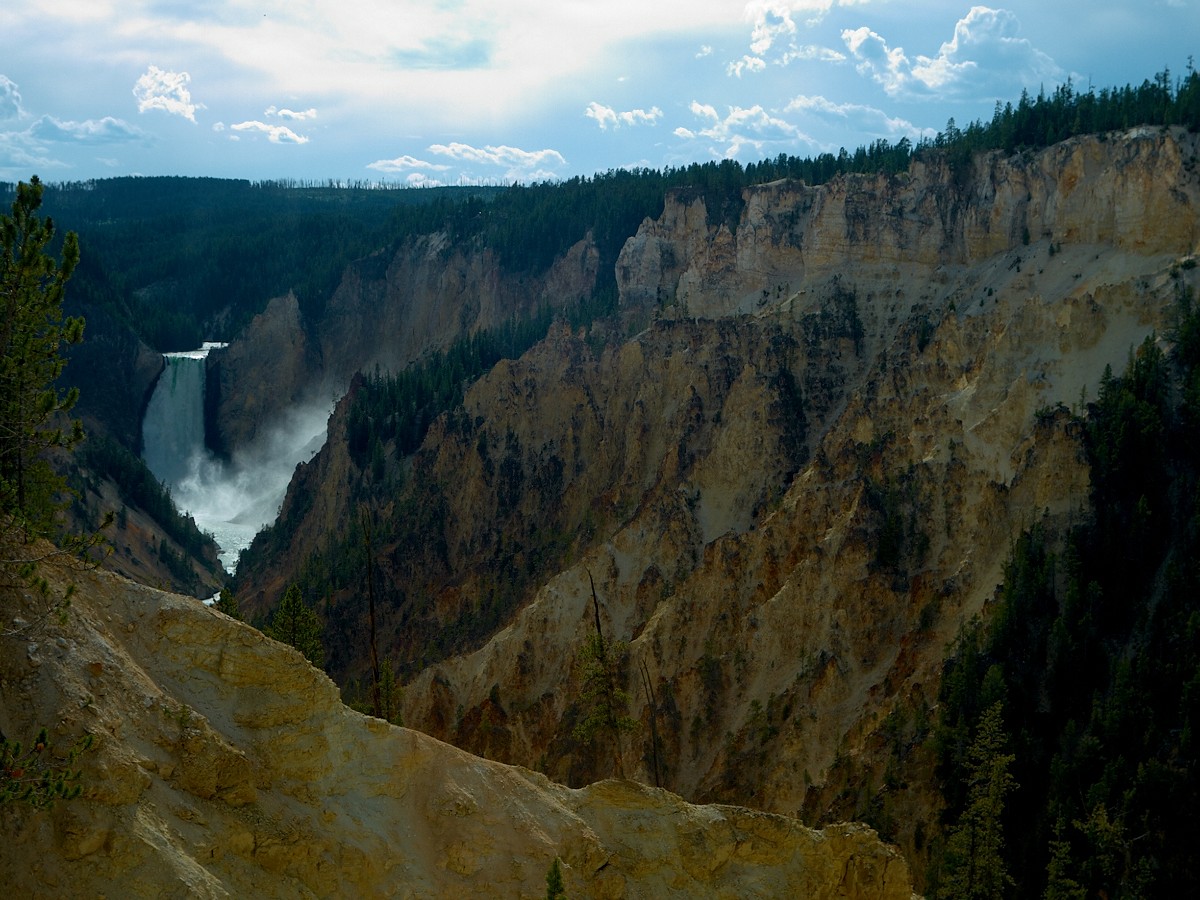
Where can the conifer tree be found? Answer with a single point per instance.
(294, 623)
(555, 890)
(974, 861)
(603, 701)
(227, 603)
(32, 333)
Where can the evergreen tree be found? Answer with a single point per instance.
(605, 703)
(35, 775)
(974, 862)
(294, 623)
(32, 332)
(228, 604)
(555, 890)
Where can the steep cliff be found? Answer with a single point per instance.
(388, 310)
(223, 765)
(790, 487)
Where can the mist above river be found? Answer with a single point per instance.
(235, 500)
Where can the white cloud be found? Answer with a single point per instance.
(10, 100)
(745, 64)
(811, 52)
(420, 179)
(291, 114)
(442, 60)
(774, 34)
(405, 164)
(772, 21)
(276, 134)
(168, 91)
(741, 127)
(890, 67)
(606, 116)
(500, 156)
(985, 58)
(90, 131)
(705, 50)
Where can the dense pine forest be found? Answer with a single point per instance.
(1091, 655)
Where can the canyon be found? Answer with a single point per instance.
(779, 479)
(791, 477)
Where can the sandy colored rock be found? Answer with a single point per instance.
(225, 766)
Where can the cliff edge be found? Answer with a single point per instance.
(225, 765)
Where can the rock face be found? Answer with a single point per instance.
(389, 309)
(225, 766)
(791, 487)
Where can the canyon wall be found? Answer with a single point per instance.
(389, 310)
(790, 486)
(224, 765)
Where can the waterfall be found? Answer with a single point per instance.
(173, 430)
(233, 501)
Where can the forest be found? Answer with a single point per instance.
(1091, 654)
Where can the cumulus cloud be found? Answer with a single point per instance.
(772, 22)
(10, 100)
(168, 91)
(705, 50)
(420, 179)
(291, 114)
(774, 35)
(90, 131)
(745, 64)
(606, 116)
(985, 58)
(19, 155)
(405, 164)
(514, 157)
(276, 134)
(889, 67)
(740, 128)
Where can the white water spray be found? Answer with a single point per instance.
(232, 501)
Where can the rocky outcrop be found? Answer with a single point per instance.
(1132, 193)
(390, 309)
(267, 371)
(225, 766)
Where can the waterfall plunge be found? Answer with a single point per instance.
(230, 501)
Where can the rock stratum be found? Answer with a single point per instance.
(791, 485)
(224, 765)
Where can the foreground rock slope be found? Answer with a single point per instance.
(225, 766)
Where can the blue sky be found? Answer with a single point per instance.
(452, 91)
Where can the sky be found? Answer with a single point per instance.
(428, 92)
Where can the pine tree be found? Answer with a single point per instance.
(32, 333)
(603, 701)
(974, 861)
(294, 623)
(227, 603)
(555, 890)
